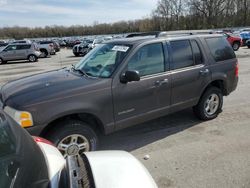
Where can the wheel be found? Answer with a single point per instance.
(1, 61)
(73, 137)
(76, 54)
(32, 58)
(44, 53)
(248, 46)
(210, 104)
(236, 46)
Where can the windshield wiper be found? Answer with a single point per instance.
(79, 70)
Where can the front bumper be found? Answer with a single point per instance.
(35, 130)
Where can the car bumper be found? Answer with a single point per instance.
(35, 130)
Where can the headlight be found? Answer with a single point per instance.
(21, 117)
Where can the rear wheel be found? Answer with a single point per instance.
(73, 137)
(44, 53)
(76, 54)
(32, 58)
(236, 46)
(210, 104)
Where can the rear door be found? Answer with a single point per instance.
(23, 51)
(189, 73)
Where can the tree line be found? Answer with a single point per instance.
(168, 15)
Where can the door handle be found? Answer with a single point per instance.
(204, 72)
(161, 82)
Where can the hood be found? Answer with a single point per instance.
(45, 86)
(118, 169)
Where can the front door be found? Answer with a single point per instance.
(9, 53)
(137, 102)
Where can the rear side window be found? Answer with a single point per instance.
(182, 54)
(23, 47)
(220, 49)
(198, 58)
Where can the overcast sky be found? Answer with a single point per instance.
(71, 12)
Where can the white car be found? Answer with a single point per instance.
(36, 162)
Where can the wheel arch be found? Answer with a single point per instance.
(91, 119)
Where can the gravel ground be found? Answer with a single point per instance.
(183, 151)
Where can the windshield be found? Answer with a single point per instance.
(103, 60)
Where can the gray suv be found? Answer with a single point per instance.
(14, 52)
(122, 83)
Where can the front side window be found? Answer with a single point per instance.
(148, 60)
(10, 48)
(220, 49)
(182, 54)
(103, 60)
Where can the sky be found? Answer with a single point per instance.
(33, 13)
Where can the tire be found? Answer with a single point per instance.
(44, 53)
(68, 135)
(1, 61)
(201, 109)
(32, 58)
(76, 54)
(236, 46)
(248, 46)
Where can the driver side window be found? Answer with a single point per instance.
(9, 48)
(148, 60)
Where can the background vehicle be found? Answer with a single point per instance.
(13, 52)
(235, 41)
(21, 156)
(245, 35)
(81, 49)
(125, 82)
(46, 48)
(21, 42)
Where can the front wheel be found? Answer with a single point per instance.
(210, 104)
(73, 137)
(236, 46)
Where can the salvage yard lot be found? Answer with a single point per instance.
(183, 151)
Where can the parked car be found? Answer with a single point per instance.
(81, 49)
(235, 41)
(248, 43)
(36, 162)
(21, 42)
(3, 45)
(245, 35)
(46, 48)
(96, 42)
(122, 83)
(14, 52)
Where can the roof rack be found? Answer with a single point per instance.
(157, 34)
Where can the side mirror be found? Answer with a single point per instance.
(130, 76)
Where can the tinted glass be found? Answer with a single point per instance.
(12, 47)
(148, 60)
(23, 47)
(7, 146)
(220, 49)
(198, 58)
(182, 54)
(46, 42)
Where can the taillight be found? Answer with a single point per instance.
(237, 69)
(42, 140)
